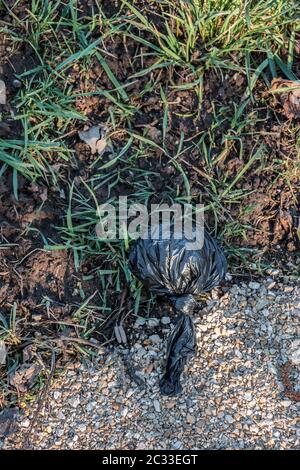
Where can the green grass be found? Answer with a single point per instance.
(216, 33)
(186, 37)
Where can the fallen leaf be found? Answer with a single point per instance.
(28, 352)
(287, 93)
(239, 79)
(154, 134)
(95, 138)
(286, 220)
(24, 377)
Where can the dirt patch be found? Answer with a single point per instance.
(31, 272)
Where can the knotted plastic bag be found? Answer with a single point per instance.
(167, 266)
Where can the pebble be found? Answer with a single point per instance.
(254, 285)
(140, 321)
(156, 405)
(229, 419)
(81, 427)
(152, 322)
(248, 396)
(25, 423)
(155, 339)
(190, 419)
(16, 83)
(294, 352)
(74, 401)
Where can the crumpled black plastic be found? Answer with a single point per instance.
(167, 267)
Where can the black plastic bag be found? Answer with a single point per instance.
(167, 267)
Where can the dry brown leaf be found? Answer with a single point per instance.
(287, 93)
(154, 133)
(23, 378)
(28, 352)
(95, 138)
(286, 220)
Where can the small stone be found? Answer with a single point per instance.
(190, 419)
(261, 304)
(61, 415)
(170, 404)
(294, 352)
(288, 289)
(141, 352)
(229, 419)
(140, 321)
(177, 444)
(156, 405)
(81, 427)
(74, 401)
(238, 353)
(165, 320)
(36, 317)
(152, 322)
(273, 272)
(16, 83)
(25, 423)
(254, 429)
(90, 406)
(155, 339)
(254, 285)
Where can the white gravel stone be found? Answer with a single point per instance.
(25, 423)
(294, 351)
(156, 405)
(152, 322)
(254, 285)
(75, 401)
(155, 339)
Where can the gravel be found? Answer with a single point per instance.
(233, 395)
